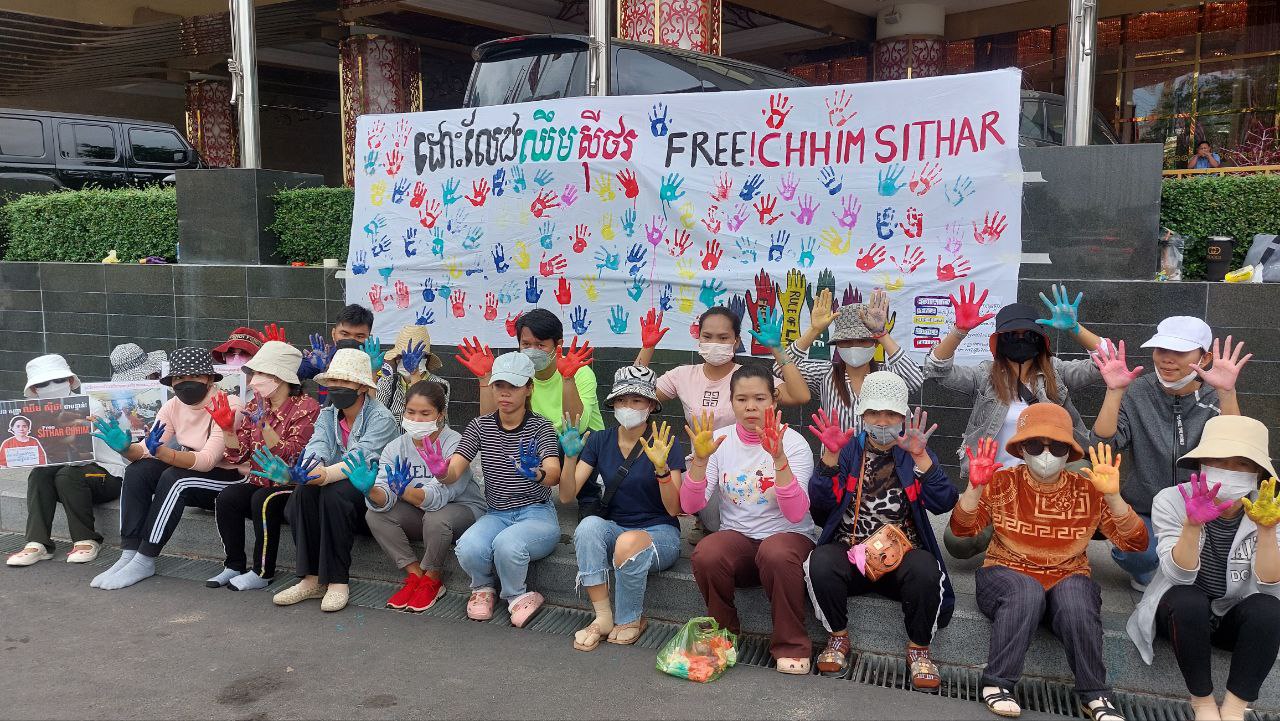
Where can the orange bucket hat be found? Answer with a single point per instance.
(1044, 420)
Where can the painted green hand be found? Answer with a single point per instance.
(770, 333)
(1065, 312)
(116, 438)
(373, 347)
(271, 467)
(360, 472)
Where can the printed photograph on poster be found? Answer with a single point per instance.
(132, 404)
(45, 432)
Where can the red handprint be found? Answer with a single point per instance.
(394, 160)
(765, 206)
(912, 258)
(479, 192)
(402, 295)
(678, 243)
(723, 186)
(958, 268)
(968, 308)
(564, 294)
(375, 298)
(402, 130)
(983, 465)
(458, 299)
(580, 235)
(992, 228)
(429, 214)
(546, 200)
(511, 323)
(375, 134)
(776, 114)
(490, 306)
(712, 221)
(923, 180)
(871, 257)
(630, 187)
(711, 255)
(914, 225)
(419, 194)
(837, 105)
(550, 266)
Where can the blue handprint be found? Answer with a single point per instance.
(548, 231)
(666, 298)
(527, 460)
(959, 190)
(410, 242)
(884, 223)
(473, 238)
(531, 292)
(386, 273)
(637, 258)
(806, 252)
(499, 182)
(746, 250)
(618, 319)
(449, 193)
(578, 320)
(607, 259)
(381, 246)
(361, 264)
(500, 263)
(303, 471)
(377, 223)
(670, 191)
(398, 192)
(371, 162)
(637, 288)
(629, 222)
(543, 177)
(751, 188)
(399, 476)
(829, 180)
(658, 120)
(443, 292)
(738, 307)
(778, 246)
(429, 291)
(888, 184)
(711, 291)
(425, 316)
(437, 243)
(518, 183)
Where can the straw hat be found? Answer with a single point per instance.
(415, 334)
(278, 359)
(45, 368)
(348, 364)
(1230, 437)
(1044, 420)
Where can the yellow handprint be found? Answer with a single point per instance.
(686, 301)
(890, 283)
(377, 192)
(521, 257)
(606, 227)
(589, 287)
(454, 271)
(604, 187)
(836, 243)
(687, 218)
(685, 268)
(1266, 510)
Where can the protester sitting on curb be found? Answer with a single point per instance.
(858, 331)
(279, 421)
(521, 457)
(407, 502)
(1023, 371)
(1218, 579)
(78, 486)
(1044, 517)
(754, 471)
(240, 346)
(326, 510)
(351, 329)
(1156, 418)
(130, 363)
(180, 462)
(410, 361)
(872, 485)
(633, 471)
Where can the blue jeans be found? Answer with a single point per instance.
(1141, 565)
(505, 542)
(594, 540)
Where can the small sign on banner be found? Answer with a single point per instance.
(45, 432)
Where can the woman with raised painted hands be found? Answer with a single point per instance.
(406, 502)
(1023, 371)
(327, 509)
(1158, 417)
(752, 471)
(1044, 517)
(856, 332)
(521, 457)
(1218, 579)
(884, 475)
(634, 469)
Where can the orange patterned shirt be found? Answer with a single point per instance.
(1045, 533)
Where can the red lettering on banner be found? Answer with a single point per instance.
(764, 140)
(886, 142)
(797, 152)
(989, 120)
(966, 135)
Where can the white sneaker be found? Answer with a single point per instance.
(30, 555)
(84, 551)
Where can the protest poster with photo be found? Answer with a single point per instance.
(45, 432)
(132, 404)
(233, 380)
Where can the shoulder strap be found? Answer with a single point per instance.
(857, 503)
(612, 486)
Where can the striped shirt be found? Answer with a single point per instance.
(504, 487)
(1219, 534)
(820, 375)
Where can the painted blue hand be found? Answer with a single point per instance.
(738, 307)
(527, 461)
(666, 298)
(360, 266)
(399, 191)
(578, 319)
(806, 252)
(500, 263)
(437, 243)
(778, 245)
(658, 120)
(258, 411)
(618, 319)
(373, 349)
(637, 258)
(428, 291)
(457, 222)
(770, 333)
(670, 190)
(360, 472)
(637, 288)
(629, 222)
(270, 467)
(116, 438)
(571, 440)
(746, 250)
(304, 471)
(450, 191)
(443, 292)
(412, 356)
(547, 233)
(425, 317)
(499, 182)
(518, 183)
(711, 291)
(473, 238)
(410, 242)
(371, 162)
(399, 476)
(381, 246)
(507, 294)
(318, 358)
(1065, 313)
(376, 224)
(888, 184)
(751, 188)
(959, 190)
(386, 273)
(607, 259)
(153, 440)
(884, 223)
(543, 177)
(830, 181)
(531, 292)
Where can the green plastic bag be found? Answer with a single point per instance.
(701, 651)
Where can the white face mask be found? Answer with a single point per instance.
(855, 356)
(1235, 484)
(1178, 384)
(417, 430)
(631, 417)
(541, 359)
(61, 389)
(716, 354)
(1044, 466)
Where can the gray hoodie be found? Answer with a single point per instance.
(465, 491)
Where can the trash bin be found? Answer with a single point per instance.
(1217, 257)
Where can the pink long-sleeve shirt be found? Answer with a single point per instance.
(194, 430)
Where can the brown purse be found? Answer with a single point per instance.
(886, 547)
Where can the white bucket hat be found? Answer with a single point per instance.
(278, 359)
(1230, 437)
(883, 391)
(348, 364)
(45, 368)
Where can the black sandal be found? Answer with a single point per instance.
(1002, 694)
(1104, 711)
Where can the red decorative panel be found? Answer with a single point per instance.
(899, 58)
(211, 122)
(849, 70)
(686, 24)
(378, 75)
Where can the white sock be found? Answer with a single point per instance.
(249, 581)
(222, 578)
(139, 568)
(125, 557)
(1233, 707)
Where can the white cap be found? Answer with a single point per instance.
(883, 391)
(1181, 333)
(514, 368)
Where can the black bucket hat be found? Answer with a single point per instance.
(1015, 317)
(190, 362)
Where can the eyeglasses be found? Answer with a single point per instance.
(48, 383)
(1036, 446)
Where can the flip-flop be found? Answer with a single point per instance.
(617, 635)
(588, 638)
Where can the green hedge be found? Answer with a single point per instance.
(1236, 205)
(82, 226)
(313, 223)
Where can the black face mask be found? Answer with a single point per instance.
(343, 398)
(191, 392)
(350, 343)
(1019, 349)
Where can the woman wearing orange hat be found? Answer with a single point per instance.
(1044, 517)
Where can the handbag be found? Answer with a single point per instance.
(601, 507)
(886, 547)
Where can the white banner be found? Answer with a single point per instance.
(601, 208)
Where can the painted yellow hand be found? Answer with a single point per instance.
(521, 257)
(1266, 510)
(1105, 475)
(702, 436)
(606, 227)
(687, 218)
(836, 243)
(589, 287)
(454, 271)
(686, 301)
(377, 192)
(685, 268)
(658, 447)
(604, 187)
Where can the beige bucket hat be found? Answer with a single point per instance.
(1230, 437)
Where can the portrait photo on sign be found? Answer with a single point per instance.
(45, 432)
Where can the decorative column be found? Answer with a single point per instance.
(909, 42)
(685, 24)
(211, 123)
(378, 74)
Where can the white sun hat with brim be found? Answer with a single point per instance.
(883, 391)
(278, 359)
(45, 368)
(348, 364)
(1232, 437)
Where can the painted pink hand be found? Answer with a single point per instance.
(1202, 503)
(433, 455)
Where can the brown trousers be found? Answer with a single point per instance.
(727, 560)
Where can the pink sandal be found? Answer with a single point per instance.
(480, 605)
(523, 608)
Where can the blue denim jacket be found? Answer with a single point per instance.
(374, 428)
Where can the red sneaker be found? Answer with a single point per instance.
(400, 598)
(429, 591)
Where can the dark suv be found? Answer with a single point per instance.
(42, 151)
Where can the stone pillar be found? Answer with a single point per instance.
(211, 122)
(685, 24)
(909, 42)
(377, 74)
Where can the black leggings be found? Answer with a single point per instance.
(916, 583)
(264, 508)
(1250, 631)
(325, 520)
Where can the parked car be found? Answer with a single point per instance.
(1043, 121)
(42, 151)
